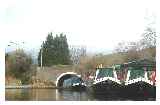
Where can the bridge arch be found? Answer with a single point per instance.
(64, 76)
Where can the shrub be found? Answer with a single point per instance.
(18, 65)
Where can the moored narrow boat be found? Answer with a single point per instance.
(140, 81)
(74, 84)
(106, 83)
(78, 85)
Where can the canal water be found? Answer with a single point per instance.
(56, 95)
(46, 95)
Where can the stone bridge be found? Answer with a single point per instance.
(57, 76)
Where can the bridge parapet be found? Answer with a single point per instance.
(50, 74)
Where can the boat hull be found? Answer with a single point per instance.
(106, 89)
(140, 91)
(78, 88)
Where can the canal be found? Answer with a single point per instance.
(46, 95)
(57, 95)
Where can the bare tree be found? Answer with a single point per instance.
(149, 38)
(76, 52)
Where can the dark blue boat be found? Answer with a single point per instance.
(74, 83)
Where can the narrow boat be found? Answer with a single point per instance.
(75, 84)
(140, 80)
(78, 84)
(106, 83)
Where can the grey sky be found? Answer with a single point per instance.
(98, 24)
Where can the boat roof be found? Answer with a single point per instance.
(138, 63)
(105, 68)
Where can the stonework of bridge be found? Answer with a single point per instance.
(56, 76)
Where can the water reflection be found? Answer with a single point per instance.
(46, 95)
(57, 95)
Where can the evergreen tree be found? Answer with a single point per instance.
(65, 58)
(54, 51)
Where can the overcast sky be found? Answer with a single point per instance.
(97, 24)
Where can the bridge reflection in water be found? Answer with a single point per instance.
(46, 95)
